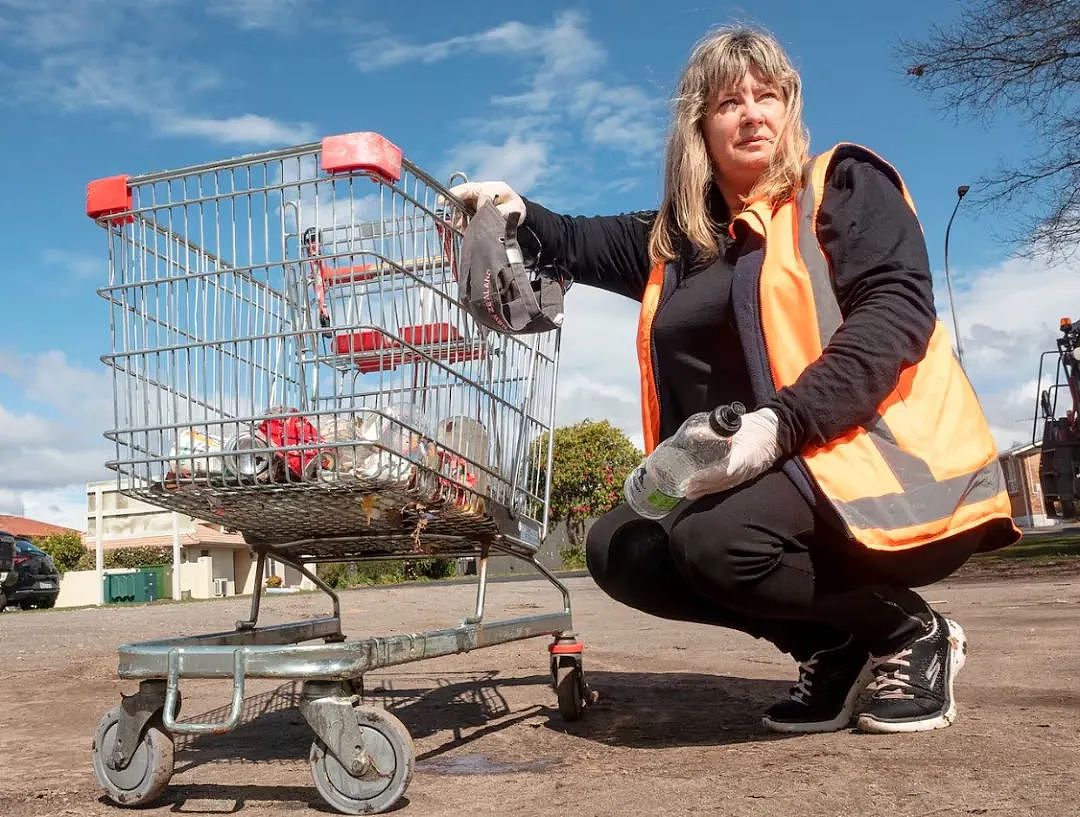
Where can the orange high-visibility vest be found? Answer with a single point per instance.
(926, 466)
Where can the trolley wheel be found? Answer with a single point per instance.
(389, 748)
(151, 766)
(570, 687)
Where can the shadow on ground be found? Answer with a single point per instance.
(647, 710)
(634, 709)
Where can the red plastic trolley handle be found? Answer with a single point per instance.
(109, 198)
(365, 151)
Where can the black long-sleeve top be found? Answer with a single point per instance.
(881, 276)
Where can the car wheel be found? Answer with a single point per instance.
(3, 601)
(47, 603)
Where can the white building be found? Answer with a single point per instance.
(208, 560)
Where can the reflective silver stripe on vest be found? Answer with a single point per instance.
(910, 471)
(925, 503)
(825, 304)
(923, 499)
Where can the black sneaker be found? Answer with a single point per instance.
(823, 699)
(913, 690)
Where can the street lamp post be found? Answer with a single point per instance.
(961, 191)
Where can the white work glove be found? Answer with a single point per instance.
(476, 194)
(755, 448)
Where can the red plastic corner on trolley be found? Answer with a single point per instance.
(566, 648)
(365, 150)
(107, 197)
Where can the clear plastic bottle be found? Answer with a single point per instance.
(400, 446)
(655, 487)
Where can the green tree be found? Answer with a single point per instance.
(1019, 58)
(66, 549)
(589, 466)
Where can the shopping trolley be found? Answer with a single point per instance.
(289, 360)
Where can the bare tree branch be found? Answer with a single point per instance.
(1023, 55)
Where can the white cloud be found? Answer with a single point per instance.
(20, 428)
(79, 265)
(71, 458)
(565, 90)
(57, 439)
(612, 117)
(261, 14)
(510, 38)
(245, 129)
(598, 370)
(569, 52)
(129, 79)
(519, 162)
(1008, 315)
(49, 378)
(56, 24)
(11, 503)
(81, 56)
(533, 100)
(64, 505)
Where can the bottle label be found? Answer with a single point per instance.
(662, 501)
(645, 492)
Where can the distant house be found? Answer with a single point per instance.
(1021, 468)
(26, 528)
(209, 560)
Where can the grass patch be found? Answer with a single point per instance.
(1037, 547)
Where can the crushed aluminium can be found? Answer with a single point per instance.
(244, 459)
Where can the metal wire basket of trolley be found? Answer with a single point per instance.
(290, 360)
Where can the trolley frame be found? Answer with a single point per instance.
(362, 757)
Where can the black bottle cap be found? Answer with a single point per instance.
(727, 419)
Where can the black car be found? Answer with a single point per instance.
(34, 581)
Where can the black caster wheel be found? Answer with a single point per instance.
(570, 689)
(568, 676)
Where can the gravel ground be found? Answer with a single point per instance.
(676, 729)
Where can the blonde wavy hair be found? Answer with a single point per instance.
(718, 62)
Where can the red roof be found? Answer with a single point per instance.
(21, 526)
(203, 536)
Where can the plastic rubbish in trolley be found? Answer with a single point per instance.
(319, 281)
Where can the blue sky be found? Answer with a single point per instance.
(566, 101)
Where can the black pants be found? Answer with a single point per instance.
(760, 560)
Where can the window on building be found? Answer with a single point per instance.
(1012, 482)
(1031, 474)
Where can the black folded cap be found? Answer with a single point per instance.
(496, 287)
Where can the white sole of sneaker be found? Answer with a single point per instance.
(957, 659)
(841, 721)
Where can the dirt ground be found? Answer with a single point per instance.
(676, 730)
